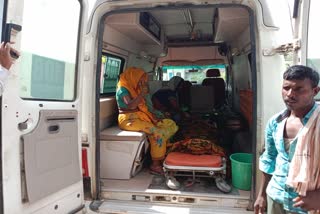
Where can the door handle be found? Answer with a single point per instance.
(23, 125)
(11, 29)
(53, 129)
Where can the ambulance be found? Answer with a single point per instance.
(61, 148)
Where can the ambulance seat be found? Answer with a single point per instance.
(213, 79)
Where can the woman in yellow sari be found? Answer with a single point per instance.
(134, 115)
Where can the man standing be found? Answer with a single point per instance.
(300, 86)
(5, 62)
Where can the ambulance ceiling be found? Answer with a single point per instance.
(187, 24)
(191, 26)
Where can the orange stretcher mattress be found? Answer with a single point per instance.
(184, 159)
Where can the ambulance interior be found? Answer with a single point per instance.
(211, 49)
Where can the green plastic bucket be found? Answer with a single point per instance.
(241, 168)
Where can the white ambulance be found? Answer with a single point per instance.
(60, 143)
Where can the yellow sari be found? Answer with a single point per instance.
(143, 120)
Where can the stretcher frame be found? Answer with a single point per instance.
(211, 171)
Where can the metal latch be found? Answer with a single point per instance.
(283, 49)
(84, 138)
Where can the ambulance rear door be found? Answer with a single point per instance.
(41, 107)
(306, 16)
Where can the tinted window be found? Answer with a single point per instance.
(111, 67)
(195, 74)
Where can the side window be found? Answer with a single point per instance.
(193, 73)
(49, 38)
(313, 54)
(111, 67)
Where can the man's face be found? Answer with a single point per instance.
(298, 94)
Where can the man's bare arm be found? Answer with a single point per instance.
(261, 201)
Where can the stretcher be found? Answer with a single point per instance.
(184, 164)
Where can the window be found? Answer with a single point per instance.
(111, 67)
(313, 54)
(193, 73)
(49, 40)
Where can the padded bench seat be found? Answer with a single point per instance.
(115, 133)
(122, 153)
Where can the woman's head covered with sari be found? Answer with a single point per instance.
(130, 79)
(133, 79)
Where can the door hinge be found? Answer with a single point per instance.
(84, 138)
(283, 49)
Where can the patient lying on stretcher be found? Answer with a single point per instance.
(199, 144)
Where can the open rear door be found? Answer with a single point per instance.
(310, 38)
(40, 110)
(307, 33)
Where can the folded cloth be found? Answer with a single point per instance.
(304, 171)
(197, 146)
